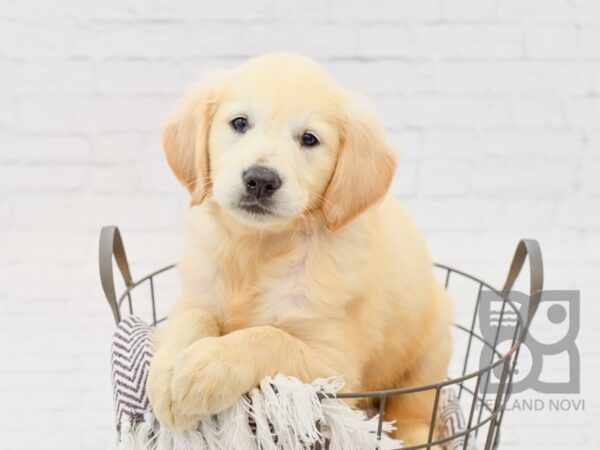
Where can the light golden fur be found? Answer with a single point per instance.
(337, 281)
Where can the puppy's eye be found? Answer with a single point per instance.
(309, 140)
(239, 124)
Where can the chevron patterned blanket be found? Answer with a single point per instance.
(281, 414)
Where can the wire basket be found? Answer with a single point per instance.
(483, 399)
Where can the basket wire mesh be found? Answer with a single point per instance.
(484, 409)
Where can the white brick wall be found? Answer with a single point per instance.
(495, 105)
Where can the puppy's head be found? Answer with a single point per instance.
(277, 140)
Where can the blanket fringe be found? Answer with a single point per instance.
(287, 415)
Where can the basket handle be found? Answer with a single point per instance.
(111, 245)
(528, 248)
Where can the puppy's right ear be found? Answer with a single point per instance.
(185, 141)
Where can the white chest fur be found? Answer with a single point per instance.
(286, 291)
(213, 271)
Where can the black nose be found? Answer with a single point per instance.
(261, 182)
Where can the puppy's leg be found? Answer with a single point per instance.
(210, 375)
(412, 412)
(181, 330)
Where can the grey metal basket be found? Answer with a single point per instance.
(485, 408)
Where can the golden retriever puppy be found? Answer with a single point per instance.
(296, 261)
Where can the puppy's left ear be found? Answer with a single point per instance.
(185, 140)
(364, 170)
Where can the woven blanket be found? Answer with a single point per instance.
(281, 414)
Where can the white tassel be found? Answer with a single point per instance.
(164, 438)
(336, 424)
(386, 442)
(235, 430)
(264, 436)
(349, 429)
(209, 428)
(276, 413)
(328, 386)
(303, 408)
(144, 432)
(188, 440)
(127, 441)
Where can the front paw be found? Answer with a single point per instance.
(158, 388)
(208, 377)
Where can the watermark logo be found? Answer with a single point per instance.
(550, 342)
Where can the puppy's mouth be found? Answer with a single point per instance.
(257, 208)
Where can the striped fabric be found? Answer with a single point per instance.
(131, 355)
(451, 421)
